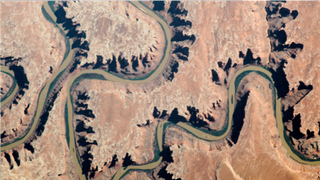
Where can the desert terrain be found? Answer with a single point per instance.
(22, 25)
(6, 84)
(115, 124)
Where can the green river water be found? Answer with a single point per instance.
(48, 11)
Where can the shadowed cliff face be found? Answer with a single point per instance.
(196, 120)
(164, 174)
(277, 17)
(281, 53)
(175, 118)
(15, 155)
(238, 116)
(9, 61)
(158, 5)
(46, 110)
(19, 75)
(84, 145)
(180, 41)
(80, 45)
(81, 127)
(22, 81)
(7, 156)
(54, 91)
(280, 81)
(114, 161)
(87, 169)
(127, 161)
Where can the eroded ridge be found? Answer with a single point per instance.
(81, 118)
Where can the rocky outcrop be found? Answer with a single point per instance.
(48, 157)
(20, 77)
(84, 145)
(6, 84)
(281, 53)
(127, 43)
(30, 58)
(79, 45)
(277, 18)
(176, 17)
(57, 85)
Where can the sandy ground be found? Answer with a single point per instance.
(51, 158)
(26, 33)
(120, 108)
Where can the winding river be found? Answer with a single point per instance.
(48, 11)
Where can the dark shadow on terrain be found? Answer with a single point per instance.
(87, 113)
(238, 116)
(155, 113)
(175, 118)
(179, 36)
(280, 81)
(310, 134)
(44, 117)
(158, 5)
(78, 37)
(112, 64)
(83, 141)
(26, 109)
(177, 10)
(3, 135)
(177, 21)
(164, 174)
(296, 124)
(29, 147)
(288, 114)
(99, 62)
(87, 158)
(303, 86)
(16, 157)
(60, 13)
(81, 127)
(163, 114)
(114, 161)
(174, 69)
(182, 50)
(127, 161)
(248, 58)
(7, 156)
(228, 66)
(135, 63)
(215, 76)
(143, 125)
(9, 61)
(209, 117)
(195, 120)
(166, 154)
(20, 76)
(83, 96)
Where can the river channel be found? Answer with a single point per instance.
(48, 11)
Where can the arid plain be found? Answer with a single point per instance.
(115, 123)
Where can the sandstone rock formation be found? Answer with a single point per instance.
(114, 120)
(305, 66)
(6, 84)
(23, 25)
(46, 158)
(115, 123)
(130, 43)
(257, 155)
